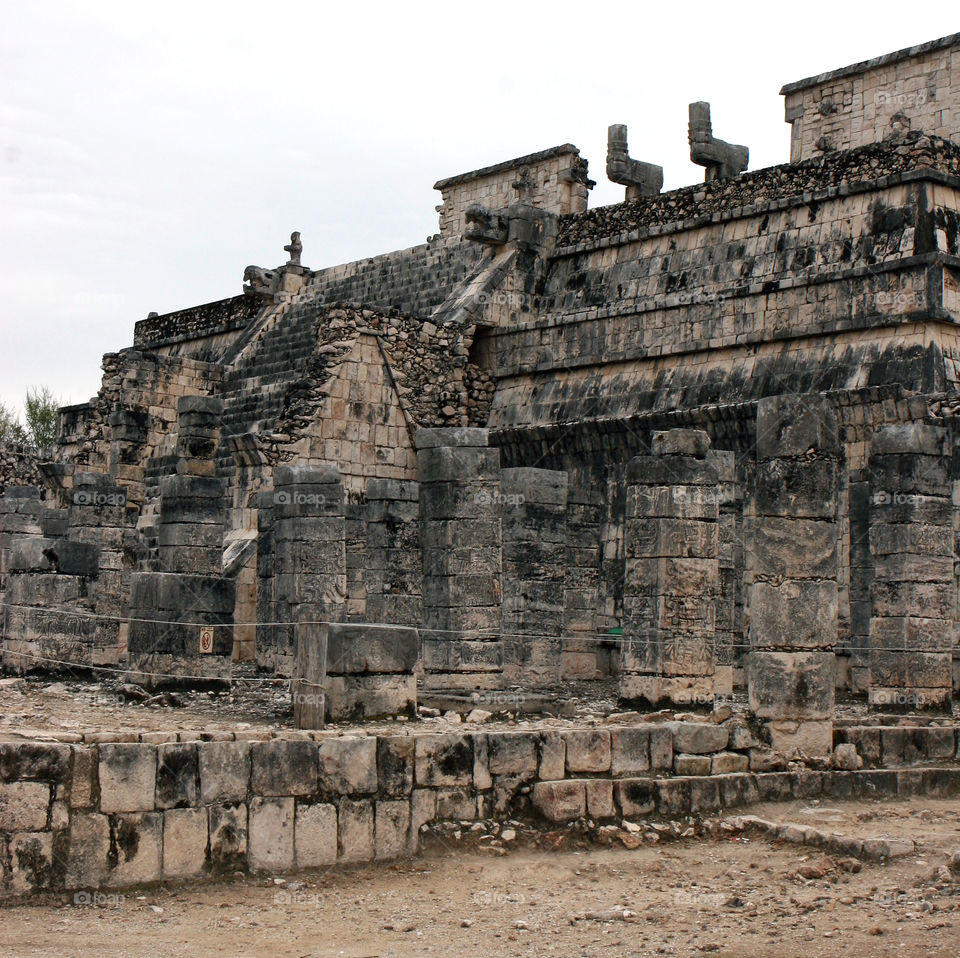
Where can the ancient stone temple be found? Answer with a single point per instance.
(700, 441)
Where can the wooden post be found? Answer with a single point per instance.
(309, 674)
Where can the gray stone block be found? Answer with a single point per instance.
(356, 831)
(128, 777)
(348, 766)
(316, 835)
(284, 768)
(271, 829)
(227, 826)
(177, 775)
(456, 436)
(361, 649)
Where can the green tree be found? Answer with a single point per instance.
(11, 429)
(40, 411)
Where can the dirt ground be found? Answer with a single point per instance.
(733, 897)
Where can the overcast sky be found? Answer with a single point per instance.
(151, 152)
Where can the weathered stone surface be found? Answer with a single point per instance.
(691, 764)
(635, 797)
(588, 750)
(177, 775)
(600, 798)
(395, 760)
(285, 767)
(227, 825)
(630, 751)
(699, 738)
(348, 766)
(32, 761)
(24, 806)
(224, 771)
(184, 842)
(560, 801)
(512, 753)
(33, 867)
(128, 777)
(791, 685)
(270, 841)
(391, 829)
(553, 756)
(356, 830)
(444, 759)
(138, 840)
(315, 835)
(725, 763)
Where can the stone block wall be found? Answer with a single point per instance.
(914, 89)
(117, 812)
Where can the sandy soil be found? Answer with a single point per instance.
(729, 898)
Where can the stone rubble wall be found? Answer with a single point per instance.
(118, 810)
(836, 173)
(201, 332)
(913, 89)
(20, 465)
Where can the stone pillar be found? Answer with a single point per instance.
(535, 573)
(460, 535)
(309, 551)
(97, 517)
(861, 583)
(729, 616)
(914, 590)
(22, 514)
(792, 572)
(48, 586)
(394, 574)
(181, 616)
(671, 572)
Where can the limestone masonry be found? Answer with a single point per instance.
(704, 442)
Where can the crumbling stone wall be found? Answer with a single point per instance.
(20, 465)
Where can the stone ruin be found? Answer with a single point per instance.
(701, 442)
